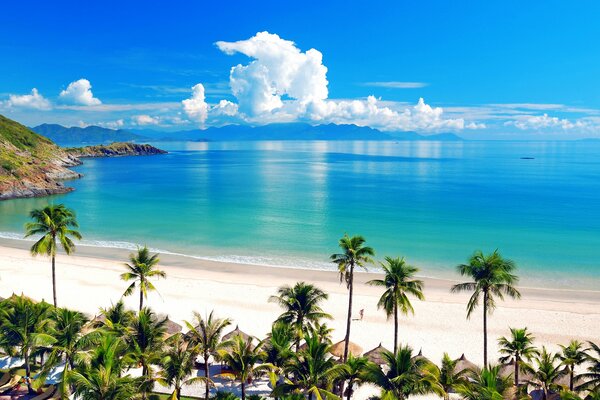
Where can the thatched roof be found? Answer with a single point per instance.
(236, 332)
(338, 349)
(508, 369)
(463, 363)
(376, 355)
(421, 356)
(172, 327)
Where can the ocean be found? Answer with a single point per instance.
(286, 203)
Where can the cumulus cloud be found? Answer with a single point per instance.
(79, 92)
(32, 101)
(281, 83)
(145, 120)
(117, 124)
(196, 107)
(537, 122)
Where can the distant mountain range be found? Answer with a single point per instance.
(284, 131)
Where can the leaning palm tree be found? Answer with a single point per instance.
(486, 384)
(314, 372)
(57, 225)
(572, 356)
(206, 335)
(398, 282)
(178, 364)
(450, 378)
(354, 254)
(245, 361)
(302, 307)
(145, 341)
(141, 268)
(591, 378)
(518, 347)
(546, 372)
(404, 375)
(492, 277)
(23, 330)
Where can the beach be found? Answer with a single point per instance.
(89, 279)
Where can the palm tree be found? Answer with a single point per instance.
(591, 378)
(100, 376)
(450, 378)
(518, 347)
(492, 277)
(178, 364)
(486, 384)
(354, 373)
(116, 320)
(54, 223)
(206, 335)
(572, 356)
(142, 267)
(547, 372)
(398, 282)
(354, 254)
(23, 327)
(278, 346)
(71, 343)
(301, 304)
(245, 361)
(404, 375)
(146, 342)
(313, 371)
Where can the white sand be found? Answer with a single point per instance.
(90, 280)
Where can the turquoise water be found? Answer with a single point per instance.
(287, 203)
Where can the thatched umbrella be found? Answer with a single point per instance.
(236, 332)
(172, 327)
(338, 349)
(376, 355)
(508, 369)
(420, 356)
(464, 364)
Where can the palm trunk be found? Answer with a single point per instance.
(395, 328)
(206, 374)
(485, 363)
(28, 372)
(571, 371)
(54, 279)
(178, 392)
(141, 295)
(517, 360)
(349, 321)
(349, 390)
(243, 390)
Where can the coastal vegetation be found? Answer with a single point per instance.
(123, 354)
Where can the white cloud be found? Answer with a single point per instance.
(33, 101)
(283, 84)
(145, 120)
(537, 122)
(224, 107)
(79, 92)
(397, 85)
(475, 125)
(117, 124)
(196, 107)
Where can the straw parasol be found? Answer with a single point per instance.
(376, 355)
(508, 369)
(172, 327)
(463, 363)
(338, 349)
(236, 332)
(420, 356)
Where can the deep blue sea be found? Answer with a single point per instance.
(287, 203)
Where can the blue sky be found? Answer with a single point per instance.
(483, 69)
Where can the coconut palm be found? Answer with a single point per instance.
(571, 356)
(404, 375)
(486, 384)
(450, 378)
(177, 366)
(115, 320)
(57, 225)
(399, 283)
(145, 341)
(354, 373)
(546, 372)
(354, 254)
(313, 371)
(23, 330)
(206, 335)
(278, 346)
(518, 347)
(492, 277)
(100, 375)
(141, 268)
(302, 307)
(245, 361)
(591, 378)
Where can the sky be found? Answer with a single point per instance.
(483, 70)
